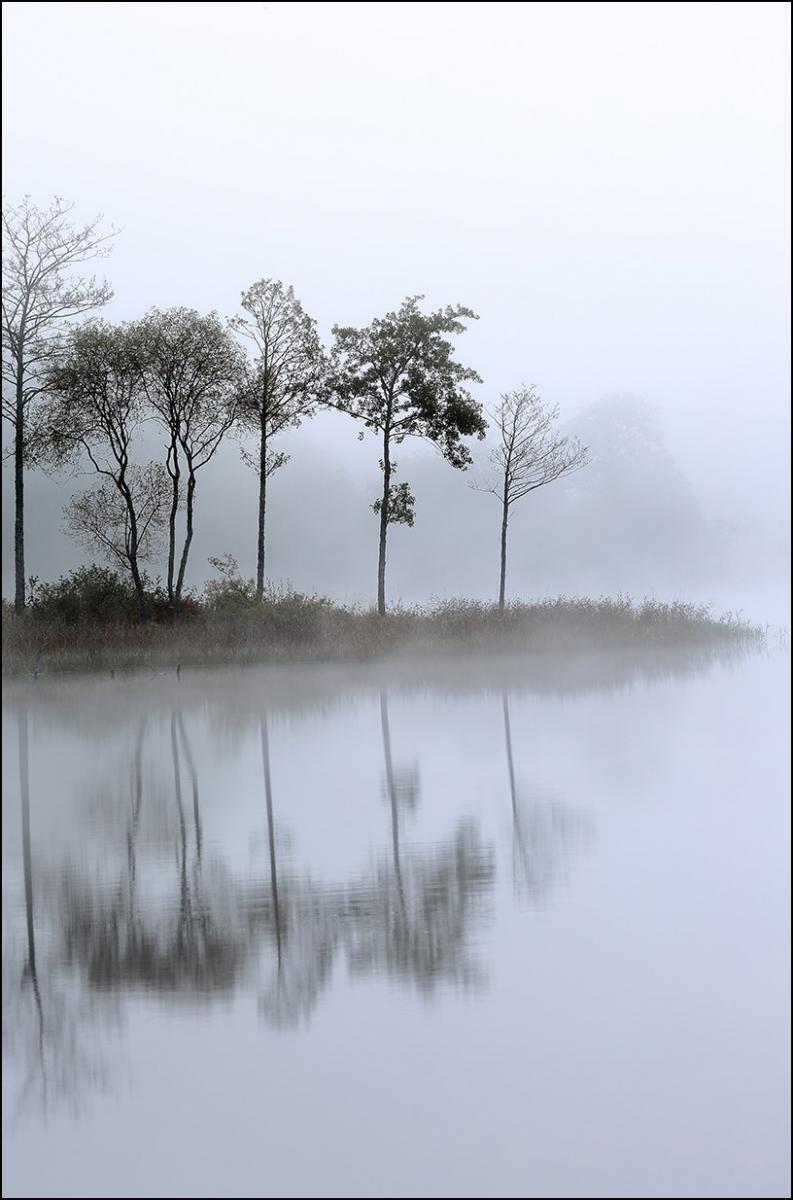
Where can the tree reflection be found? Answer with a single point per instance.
(160, 913)
(300, 924)
(409, 918)
(543, 832)
(137, 803)
(414, 921)
(415, 928)
(191, 947)
(44, 1039)
(194, 781)
(392, 798)
(179, 925)
(30, 971)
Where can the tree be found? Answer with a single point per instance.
(284, 384)
(127, 533)
(193, 375)
(530, 453)
(635, 484)
(398, 377)
(95, 406)
(40, 297)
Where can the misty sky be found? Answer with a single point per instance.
(607, 185)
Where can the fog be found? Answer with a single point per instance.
(607, 186)
(492, 903)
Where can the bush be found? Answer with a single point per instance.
(231, 592)
(89, 619)
(159, 608)
(87, 595)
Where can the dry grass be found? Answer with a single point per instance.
(292, 628)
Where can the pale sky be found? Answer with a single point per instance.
(607, 185)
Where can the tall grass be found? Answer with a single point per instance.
(289, 626)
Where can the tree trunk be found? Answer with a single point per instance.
(172, 531)
(503, 573)
(188, 537)
(143, 609)
(383, 524)
(19, 498)
(262, 506)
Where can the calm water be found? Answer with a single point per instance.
(465, 929)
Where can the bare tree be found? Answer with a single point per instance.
(95, 407)
(544, 832)
(40, 297)
(530, 453)
(284, 384)
(193, 376)
(127, 531)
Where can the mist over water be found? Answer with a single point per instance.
(505, 913)
(532, 909)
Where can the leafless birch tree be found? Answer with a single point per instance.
(40, 298)
(284, 384)
(126, 528)
(529, 454)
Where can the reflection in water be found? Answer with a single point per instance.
(323, 690)
(543, 833)
(410, 919)
(417, 918)
(137, 802)
(120, 939)
(30, 974)
(415, 926)
(402, 791)
(302, 964)
(178, 924)
(147, 877)
(195, 933)
(392, 798)
(44, 1040)
(268, 799)
(194, 781)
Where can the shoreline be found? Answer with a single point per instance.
(313, 633)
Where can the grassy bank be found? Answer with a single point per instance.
(295, 628)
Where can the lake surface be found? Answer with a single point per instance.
(501, 927)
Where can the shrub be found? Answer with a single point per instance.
(160, 609)
(231, 592)
(94, 595)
